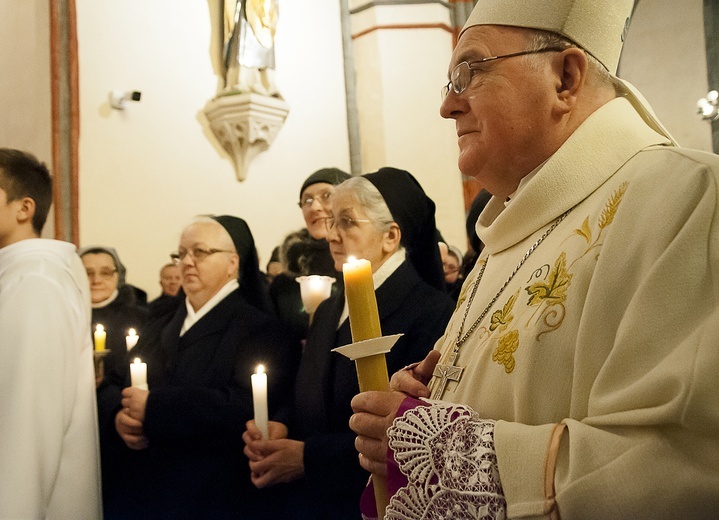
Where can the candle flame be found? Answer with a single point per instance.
(137, 360)
(351, 259)
(99, 328)
(260, 369)
(132, 332)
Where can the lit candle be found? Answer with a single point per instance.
(259, 400)
(314, 290)
(138, 374)
(361, 300)
(131, 339)
(100, 336)
(364, 324)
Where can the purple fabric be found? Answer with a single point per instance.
(395, 478)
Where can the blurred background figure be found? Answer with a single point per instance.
(172, 295)
(306, 252)
(115, 306)
(274, 266)
(474, 244)
(451, 262)
(170, 280)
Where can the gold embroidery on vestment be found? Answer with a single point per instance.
(605, 219)
(504, 352)
(585, 231)
(501, 318)
(610, 209)
(554, 290)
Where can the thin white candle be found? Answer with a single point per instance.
(138, 374)
(259, 400)
(131, 339)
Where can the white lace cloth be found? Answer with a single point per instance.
(447, 454)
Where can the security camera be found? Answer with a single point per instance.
(118, 98)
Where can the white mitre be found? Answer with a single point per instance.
(597, 26)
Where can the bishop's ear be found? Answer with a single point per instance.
(571, 68)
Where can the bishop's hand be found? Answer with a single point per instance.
(374, 413)
(413, 380)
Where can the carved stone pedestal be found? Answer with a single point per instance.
(245, 125)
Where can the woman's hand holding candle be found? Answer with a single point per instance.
(129, 420)
(138, 374)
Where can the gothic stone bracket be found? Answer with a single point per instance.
(245, 124)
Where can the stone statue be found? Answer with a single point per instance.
(249, 54)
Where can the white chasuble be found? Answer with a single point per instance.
(599, 358)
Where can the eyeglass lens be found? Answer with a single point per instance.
(103, 273)
(322, 198)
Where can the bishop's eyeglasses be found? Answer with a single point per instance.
(462, 73)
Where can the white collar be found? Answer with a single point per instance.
(193, 317)
(105, 303)
(525, 180)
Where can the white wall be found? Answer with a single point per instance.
(25, 76)
(145, 171)
(25, 110)
(400, 73)
(665, 58)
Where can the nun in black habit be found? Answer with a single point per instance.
(181, 440)
(387, 218)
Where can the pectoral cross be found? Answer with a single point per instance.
(447, 373)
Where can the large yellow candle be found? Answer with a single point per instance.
(100, 336)
(364, 324)
(361, 300)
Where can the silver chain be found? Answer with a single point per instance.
(461, 339)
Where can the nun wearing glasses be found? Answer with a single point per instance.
(386, 218)
(181, 454)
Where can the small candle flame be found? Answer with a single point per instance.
(137, 360)
(260, 369)
(132, 332)
(351, 260)
(99, 328)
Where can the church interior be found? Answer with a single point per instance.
(361, 80)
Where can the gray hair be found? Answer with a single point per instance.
(371, 200)
(540, 39)
(207, 219)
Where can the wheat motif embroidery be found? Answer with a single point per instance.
(605, 218)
